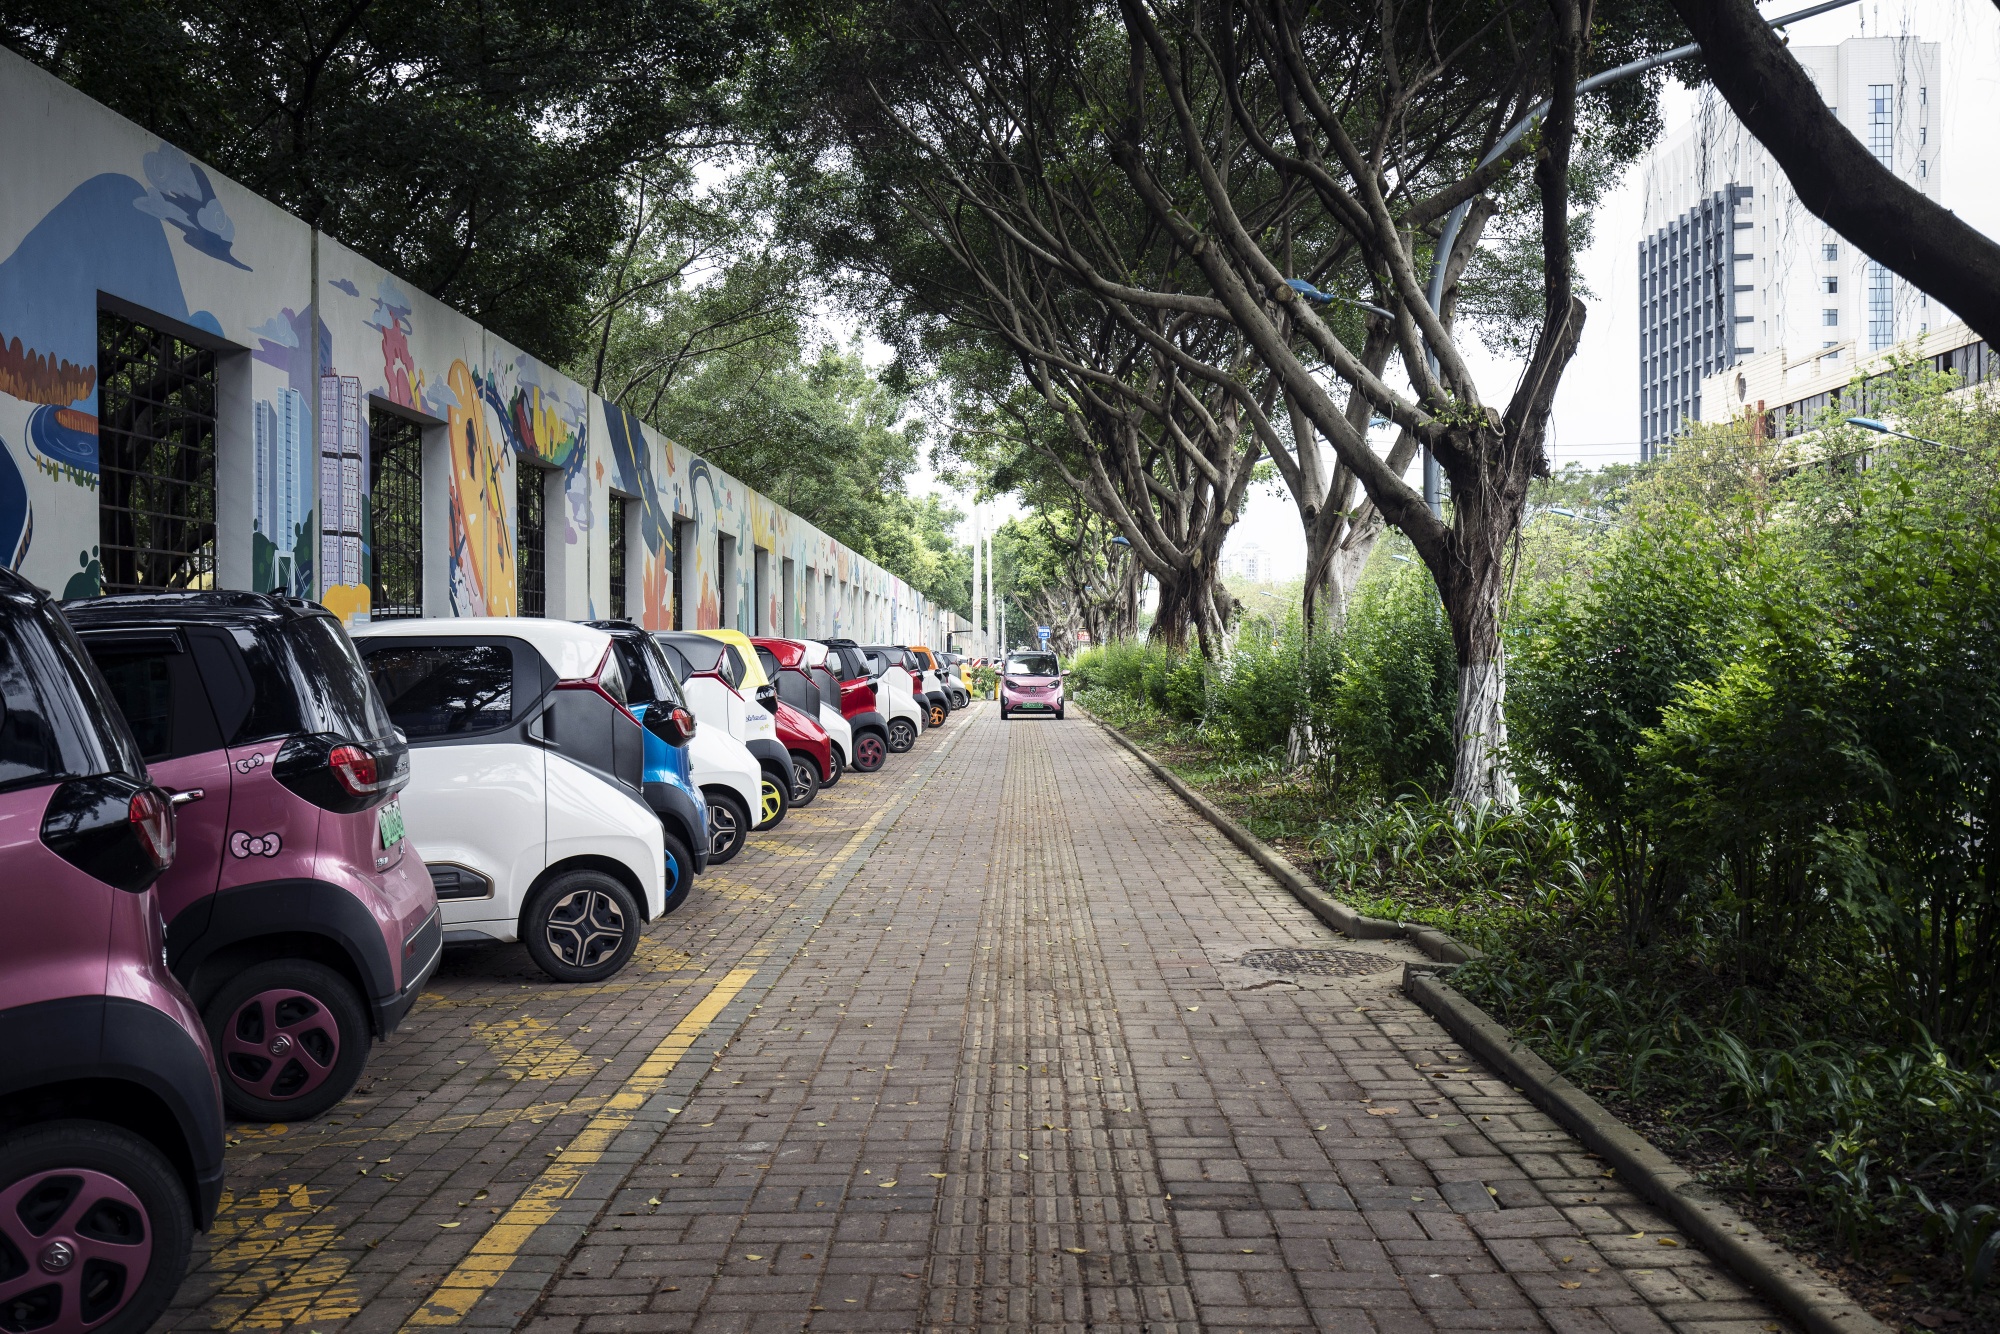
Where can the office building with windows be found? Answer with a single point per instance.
(1733, 266)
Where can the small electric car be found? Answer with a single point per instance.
(526, 774)
(815, 752)
(653, 694)
(729, 777)
(899, 699)
(293, 916)
(1031, 681)
(798, 668)
(860, 696)
(110, 1113)
(726, 686)
(938, 680)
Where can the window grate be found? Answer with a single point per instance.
(156, 459)
(396, 517)
(531, 543)
(618, 557)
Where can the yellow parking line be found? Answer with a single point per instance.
(494, 1253)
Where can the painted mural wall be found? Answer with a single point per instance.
(315, 347)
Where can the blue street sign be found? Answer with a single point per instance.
(1042, 631)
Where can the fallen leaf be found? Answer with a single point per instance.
(1383, 1111)
(655, 1201)
(674, 1288)
(1076, 1250)
(1193, 1008)
(1248, 1251)
(1637, 1235)
(447, 1224)
(885, 1184)
(1022, 1156)
(1567, 1258)
(1569, 1286)
(479, 1195)
(938, 1175)
(753, 1257)
(1665, 1241)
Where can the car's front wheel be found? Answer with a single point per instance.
(902, 734)
(728, 824)
(290, 1038)
(805, 779)
(582, 926)
(95, 1229)
(776, 790)
(871, 752)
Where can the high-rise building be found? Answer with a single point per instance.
(1733, 265)
(278, 473)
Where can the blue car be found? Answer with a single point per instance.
(651, 688)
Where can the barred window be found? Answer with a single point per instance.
(618, 557)
(156, 459)
(531, 542)
(396, 516)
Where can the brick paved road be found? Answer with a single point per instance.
(971, 1042)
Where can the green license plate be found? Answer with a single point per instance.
(390, 822)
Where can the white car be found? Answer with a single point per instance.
(823, 678)
(899, 700)
(526, 771)
(715, 677)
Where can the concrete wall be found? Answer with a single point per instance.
(314, 343)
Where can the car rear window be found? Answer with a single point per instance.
(648, 670)
(432, 691)
(56, 716)
(338, 693)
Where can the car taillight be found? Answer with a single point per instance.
(595, 684)
(152, 818)
(685, 721)
(356, 770)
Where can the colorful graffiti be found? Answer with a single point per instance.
(122, 220)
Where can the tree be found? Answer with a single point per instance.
(476, 151)
(1838, 179)
(1264, 142)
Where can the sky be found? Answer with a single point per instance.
(1596, 412)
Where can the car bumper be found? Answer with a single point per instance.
(678, 812)
(429, 947)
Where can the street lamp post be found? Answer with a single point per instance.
(1883, 428)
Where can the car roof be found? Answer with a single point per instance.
(216, 607)
(573, 650)
(788, 652)
(753, 667)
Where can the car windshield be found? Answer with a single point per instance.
(1033, 664)
(337, 685)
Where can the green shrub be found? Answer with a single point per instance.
(1390, 701)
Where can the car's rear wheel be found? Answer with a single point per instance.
(680, 870)
(728, 824)
(938, 714)
(902, 734)
(290, 1039)
(871, 751)
(95, 1229)
(805, 779)
(776, 793)
(582, 926)
(839, 766)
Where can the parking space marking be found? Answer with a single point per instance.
(494, 1253)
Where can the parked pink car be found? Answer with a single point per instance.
(110, 1116)
(1031, 682)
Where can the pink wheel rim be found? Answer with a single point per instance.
(868, 751)
(76, 1244)
(280, 1044)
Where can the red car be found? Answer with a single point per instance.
(806, 742)
(860, 704)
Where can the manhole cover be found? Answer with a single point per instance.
(1317, 963)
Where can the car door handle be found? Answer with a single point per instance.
(183, 798)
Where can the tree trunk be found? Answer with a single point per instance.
(1835, 176)
(1473, 585)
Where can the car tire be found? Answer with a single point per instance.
(728, 824)
(776, 788)
(839, 767)
(938, 714)
(805, 778)
(1059, 713)
(120, 1208)
(290, 1038)
(902, 734)
(680, 870)
(871, 752)
(1003, 713)
(581, 926)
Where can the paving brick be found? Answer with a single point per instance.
(998, 1068)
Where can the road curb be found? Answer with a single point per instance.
(1322, 905)
(1718, 1229)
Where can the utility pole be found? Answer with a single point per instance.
(994, 614)
(978, 632)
